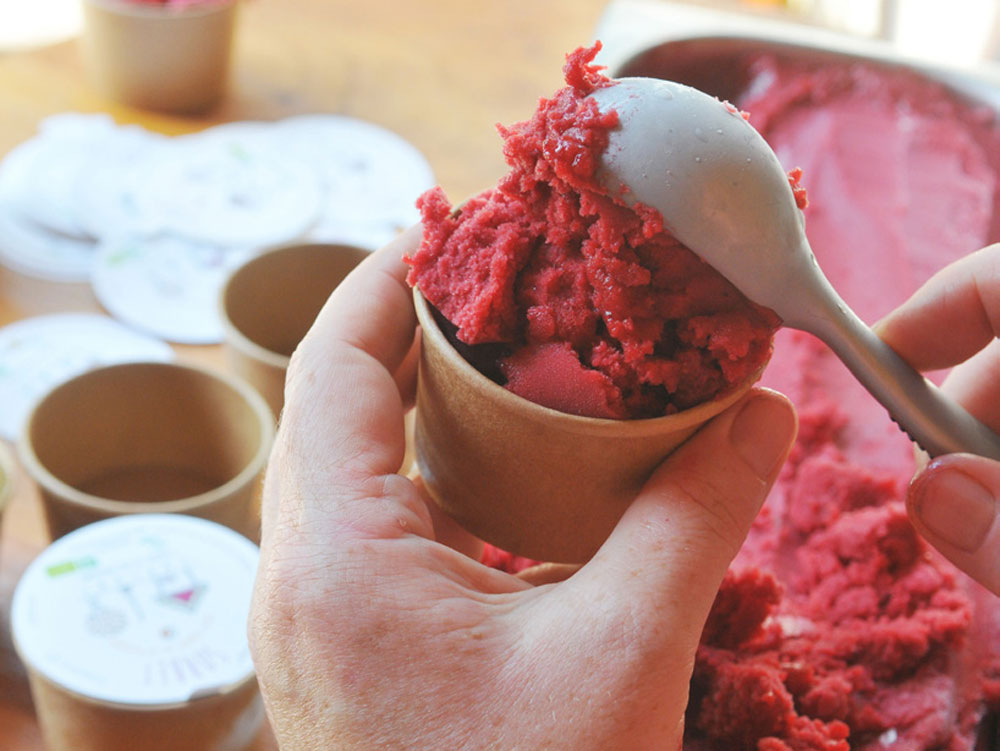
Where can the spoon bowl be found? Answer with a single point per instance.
(715, 180)
(723, 193)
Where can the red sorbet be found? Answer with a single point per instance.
(837, 627)
(603, 312)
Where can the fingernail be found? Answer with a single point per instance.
(762, 432)
(954, 506)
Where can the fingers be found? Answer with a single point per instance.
(953, 316)
(976, 386)
(953, 504)
(342, 427)
(954, 319)
(672, 547)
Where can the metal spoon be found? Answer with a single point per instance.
(723, 194)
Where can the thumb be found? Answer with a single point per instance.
(665, 560)
(953, 504)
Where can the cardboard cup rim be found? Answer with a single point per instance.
(696, 415)
(233, 334)
(47, 480)
(248, 346)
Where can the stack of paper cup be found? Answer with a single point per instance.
(133, 632)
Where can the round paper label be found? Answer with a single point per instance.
(371, 176)
(146, 609)
(165, 285)
(228, 185)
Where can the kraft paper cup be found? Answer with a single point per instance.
(144, 437)
(531, 480)
(133, 633)
(270, 302)
(158, 57)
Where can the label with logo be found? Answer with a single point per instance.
(145, 609)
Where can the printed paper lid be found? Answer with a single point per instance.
(144, 609)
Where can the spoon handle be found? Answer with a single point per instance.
(937, 423)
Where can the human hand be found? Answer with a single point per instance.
(953, 320)
(369, 633)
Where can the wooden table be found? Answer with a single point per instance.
(440, 73)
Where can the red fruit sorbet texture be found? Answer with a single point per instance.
(603, 313)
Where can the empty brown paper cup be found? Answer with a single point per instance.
(133, 633)
(144, 437)
(159, 57)
(531, 480)
(270, 302)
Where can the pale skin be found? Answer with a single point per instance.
(374, 627)
(954, 320)
(371, 629)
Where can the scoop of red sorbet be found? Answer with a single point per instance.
(605, 314)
